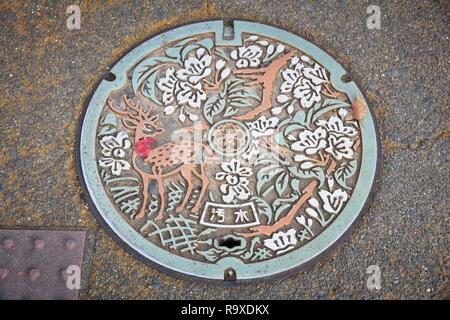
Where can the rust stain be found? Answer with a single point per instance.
(359, 108)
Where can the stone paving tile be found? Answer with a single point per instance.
(48, 73)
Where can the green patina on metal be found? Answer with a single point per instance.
(193, 252)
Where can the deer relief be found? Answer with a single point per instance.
(180, 156)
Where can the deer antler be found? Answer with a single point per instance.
(137, 108)
(115, 110)
(123, 113)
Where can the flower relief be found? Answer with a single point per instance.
(310, 142)
(247, 56)
(331, 136)
(113, 151)
(335, 126)
(302, 81)
(333, 201)
(339, 137)
(235, 182)
(184, 86)
(281, 241)
(196, 68)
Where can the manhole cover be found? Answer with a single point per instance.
(227, 150)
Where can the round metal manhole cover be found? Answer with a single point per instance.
(227, 151)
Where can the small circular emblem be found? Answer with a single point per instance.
(227, 152)
(229, 137)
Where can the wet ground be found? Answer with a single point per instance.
(47, 73)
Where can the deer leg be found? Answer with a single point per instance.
(141, 213)
(162, 203)
(187, 175)
(205, 181)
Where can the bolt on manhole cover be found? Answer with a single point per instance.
(227, 150)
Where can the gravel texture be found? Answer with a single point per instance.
(47, 73)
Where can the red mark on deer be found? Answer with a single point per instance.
(143, 147)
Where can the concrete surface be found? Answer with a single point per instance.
(47, 73)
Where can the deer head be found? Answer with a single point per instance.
(136, 118)
(144, 125)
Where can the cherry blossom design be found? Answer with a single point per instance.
(339, 137)
(113, 150)
(333, 201)
(196, 68)
(316, 74)
(310, 142)
(333, 136)
(282, 241)
(340, 147)
(336, 127)
(262, 126)
(177, 93)
(290, 77)
(235, 181)
(304, 161)
(307, 93)
(303, 83)
(191, 94)
(168, 86)
(247, 56)
(184, 86)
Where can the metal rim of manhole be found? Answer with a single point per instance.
(227, 150)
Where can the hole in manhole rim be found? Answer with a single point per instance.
(346, 78)
(229, 274)
(110, 77)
